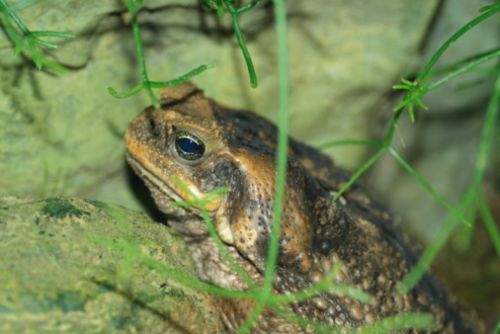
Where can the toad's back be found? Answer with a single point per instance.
(191, 146)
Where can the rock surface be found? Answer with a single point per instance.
(64, 131)
(72, 266)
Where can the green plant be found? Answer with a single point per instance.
(412, 102)
(221, 6)
(30, 43)
(133, 7)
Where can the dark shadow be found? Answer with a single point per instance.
(143, 196)
(431, 26)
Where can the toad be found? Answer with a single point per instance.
(192, 145)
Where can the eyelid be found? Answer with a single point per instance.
(185, 134)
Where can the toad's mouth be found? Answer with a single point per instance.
(155, 181)
(156, 184)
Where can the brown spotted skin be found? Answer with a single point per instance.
(353, 233)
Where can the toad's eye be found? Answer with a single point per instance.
(188, 146)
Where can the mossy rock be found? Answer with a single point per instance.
(71, 266)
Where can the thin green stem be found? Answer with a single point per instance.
(159, 84)
(487, 139)
(258, 308)
(398, 322)
(22, 4)
(318, 327)
(193, 283)
(489, 223)
(488, 131)
(415, 89)
(134, 8)
(47, 33)
(282, 149)
(469, 200)
(360, 171)
(424, 183)
(220, 6)
(223, 249)
(180, 79)
(463, 237)
(327, 286)
(139, 49)
(469, 66)
(451, 67)
(392, 127)
(3, 6)
(134, 90)
(247, 7)
(241, 42)
(492, 10)
(430, 253)
(200, 204)
(321, 286)
(28, 42)
(350, 142)
(281, 166)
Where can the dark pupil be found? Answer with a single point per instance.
(189, 147)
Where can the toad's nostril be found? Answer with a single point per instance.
(153, 128)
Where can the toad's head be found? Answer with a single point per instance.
(191, 146)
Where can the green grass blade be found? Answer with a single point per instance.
(282, 149)
(463, 238)
(456, 65)
(399, 322)
(243, 45)
(26, 41)
(350, 142)
(431, 251)
(134, 7)
(326, 284)
(359, 172)
(13, 16)
(180, 79)
(134, 90)
(200, 204)
(487, 136)
(425, 184)
(139, 51)
(492, 10)
(189, 281)
(247, 7)
(489, 223)
(22, 4)
(465, 68)
(414, 96)
(57, 34)
(281, 165)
